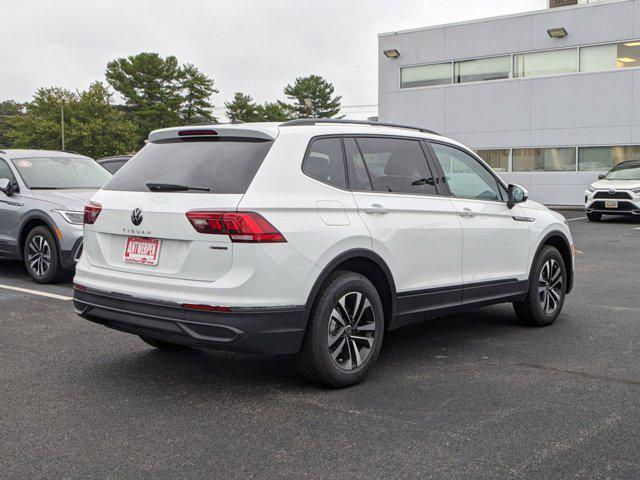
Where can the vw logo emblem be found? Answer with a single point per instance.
(612, 191)
(136, 216)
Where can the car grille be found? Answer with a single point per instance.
(616, 195)
(626, 206)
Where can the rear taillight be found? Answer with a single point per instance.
(91, 213)
(246, 227)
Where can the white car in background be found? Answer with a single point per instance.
(313, 238)
(616, 193)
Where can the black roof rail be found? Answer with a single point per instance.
(338, 121)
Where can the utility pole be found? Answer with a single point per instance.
(62, 124)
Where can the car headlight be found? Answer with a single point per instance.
(75, 218)
(636, 190)
(590, 189)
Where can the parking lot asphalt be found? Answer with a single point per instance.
(466, 396)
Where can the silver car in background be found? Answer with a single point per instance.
(42, 199)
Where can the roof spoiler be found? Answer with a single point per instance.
(212, 131)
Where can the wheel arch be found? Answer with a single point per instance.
(31, 221)
(560, 241)
(367, 263)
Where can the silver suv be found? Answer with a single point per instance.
(42, 196)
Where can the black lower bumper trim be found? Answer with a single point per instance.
(274, 331)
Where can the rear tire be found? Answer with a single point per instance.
(42, 256)
(162, 345)
(344, 331)
(547, 290)
(594, 216)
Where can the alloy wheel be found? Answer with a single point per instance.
(39, 255)
(352, 330)
(550, 286)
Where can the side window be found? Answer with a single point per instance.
(325, 163)
(397, 165)
(466, 177)
(5, 171)
(358, 175)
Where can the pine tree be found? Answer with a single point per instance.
(315, 90)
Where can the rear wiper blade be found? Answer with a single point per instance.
(173, 187)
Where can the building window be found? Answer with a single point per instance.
(545, 63)
(497, 159)
(610, 57)
(425, 75)
(544, 159)
(603, 158)
(483, 69)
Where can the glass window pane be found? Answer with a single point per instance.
(609, 57)
(358, 176)
(483, 69)
(603, 158)
(544, 159)
(497, 159)
(425, 75)
(5, 171)
(223, 165)
(397, 166)
(325, 162)
(545, 63)
(466, 177)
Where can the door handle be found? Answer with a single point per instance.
(376, 209)
(467, 213)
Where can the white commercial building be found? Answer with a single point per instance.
(551, 98)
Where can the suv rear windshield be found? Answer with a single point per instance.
(221, 165)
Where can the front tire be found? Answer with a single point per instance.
(547, 290)
(42, 256)
(344, 331)
(594, 216)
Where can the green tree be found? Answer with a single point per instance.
(197, 89)
(273, 112)
(243, 108)
(93, 125)
(8, 109)
(151, 87)
(318, 92)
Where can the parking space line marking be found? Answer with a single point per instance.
(36, 292)
(574, 219)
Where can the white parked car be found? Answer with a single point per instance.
(616, 193)
(312, 238)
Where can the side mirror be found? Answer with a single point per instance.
(601, 176)
(6, 186)
(516, 194)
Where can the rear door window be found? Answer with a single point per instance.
(222, 165)
(397, 165)
(358, 175)
(324, 162)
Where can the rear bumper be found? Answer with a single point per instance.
(269, 330)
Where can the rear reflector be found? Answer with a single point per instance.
(79, 287)
(91, 213)
(205, 308)
(242, 227)
(196, 133)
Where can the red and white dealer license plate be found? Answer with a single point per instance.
(144, 251)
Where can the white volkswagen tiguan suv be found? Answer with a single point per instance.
(311, 238)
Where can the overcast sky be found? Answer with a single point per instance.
(253, 46)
